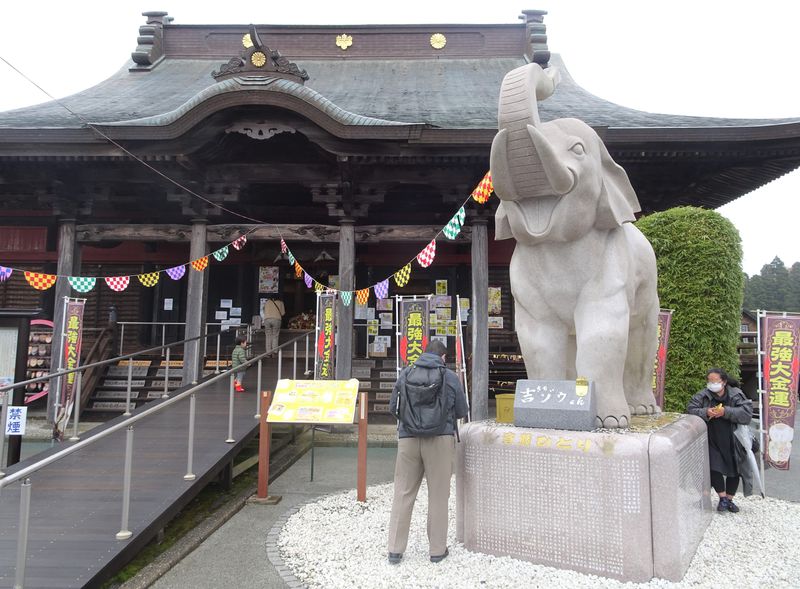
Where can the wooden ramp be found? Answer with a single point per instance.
(76, 503)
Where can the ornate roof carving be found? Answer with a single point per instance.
(259, 60)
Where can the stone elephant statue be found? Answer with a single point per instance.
(582, 276)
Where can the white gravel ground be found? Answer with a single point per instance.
(338, 542)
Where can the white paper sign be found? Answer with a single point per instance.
(226, 303)
(168, 304)
(221, 315)
(236, 311)
(16, 420)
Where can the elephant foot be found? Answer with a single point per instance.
(645, 409)
(612, 421)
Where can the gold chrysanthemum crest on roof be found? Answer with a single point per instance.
(438, 41)
(256, 59)
(344, 41)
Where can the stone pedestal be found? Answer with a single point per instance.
(630, 505)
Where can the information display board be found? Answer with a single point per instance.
(314, 401)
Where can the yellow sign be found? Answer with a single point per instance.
(314, 401)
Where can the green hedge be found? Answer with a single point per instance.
(699, 255)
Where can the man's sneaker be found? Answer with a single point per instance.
(732, 507)
(441, 557)
(395, 557)
(724, 504)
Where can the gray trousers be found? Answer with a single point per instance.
(432, 457)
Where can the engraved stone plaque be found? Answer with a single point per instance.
(123, 383)
(519, 492)
(364, 384)
(122, 371)
(557, 404)
(115, 394)
(361, 371)
(392, 374)
(108, 405)
(386, 385)
(162, 372)
(380, 408)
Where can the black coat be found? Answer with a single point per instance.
(721, 444)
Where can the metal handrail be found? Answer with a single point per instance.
(163, 325)
(10, 478)
(24, 473)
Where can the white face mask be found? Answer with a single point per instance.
(714, 387)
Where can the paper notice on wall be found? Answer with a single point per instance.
(168, 304)
(225, 303)
(221, 315)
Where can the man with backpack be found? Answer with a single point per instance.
(427, 401)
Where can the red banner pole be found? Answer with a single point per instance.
(264, 439)
(362, 448)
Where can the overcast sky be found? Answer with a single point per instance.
(701, 57)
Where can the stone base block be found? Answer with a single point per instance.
(629, 505)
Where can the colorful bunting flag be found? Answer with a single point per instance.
(382, 289)
(239, 243)
(291, 257)
(118, 283)
(177, 272)
(221, 254)
(5, 273)
(82, 283)
(347, 296)
(200, 264)
(298, 269)
(149, 280)
(453, 227)
(284, 247)
(40, 281)
(318, 286)
(402, 275)
(425, 257)
(362, 296)
(484, 189)
(307, 279)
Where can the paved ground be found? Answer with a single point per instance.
(236, 554)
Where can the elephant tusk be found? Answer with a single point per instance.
(560, 176)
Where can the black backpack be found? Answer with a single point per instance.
(422, 402)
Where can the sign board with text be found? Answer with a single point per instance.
(314, 401)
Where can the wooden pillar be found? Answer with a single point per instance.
(195, 305)
(480, 320)
(66, 267)
(347, 259)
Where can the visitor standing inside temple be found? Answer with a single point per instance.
(272, 311)
(427, 400)
(723, 406)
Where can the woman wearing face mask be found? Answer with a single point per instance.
(722, 405)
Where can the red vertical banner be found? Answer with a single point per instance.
(325, 366)
(73, 335)
(660, 363)
(781, 363)
(414, 322)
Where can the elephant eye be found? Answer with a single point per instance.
(578, 149)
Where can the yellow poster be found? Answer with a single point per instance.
(314, 401)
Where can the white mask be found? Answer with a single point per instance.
(714, 387)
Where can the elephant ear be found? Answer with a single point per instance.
(618, 203)
(502, 228)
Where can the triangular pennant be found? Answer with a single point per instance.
(40, 281)
(318, 286)
(177, 272)
(362, 296)
(284, 247)
(239, 243)
(461, 215)
(5, 273)
(82, 283)
(200, 264)
(347, 297)
(118, 283)
(221, 254)
(425, 257)
(298, 269)
(291, 257)
(307, 279)
(484, 189)
(382, 289)
(452, 229)
(149, 280)
(402, 275)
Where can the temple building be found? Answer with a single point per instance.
(355, 144)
